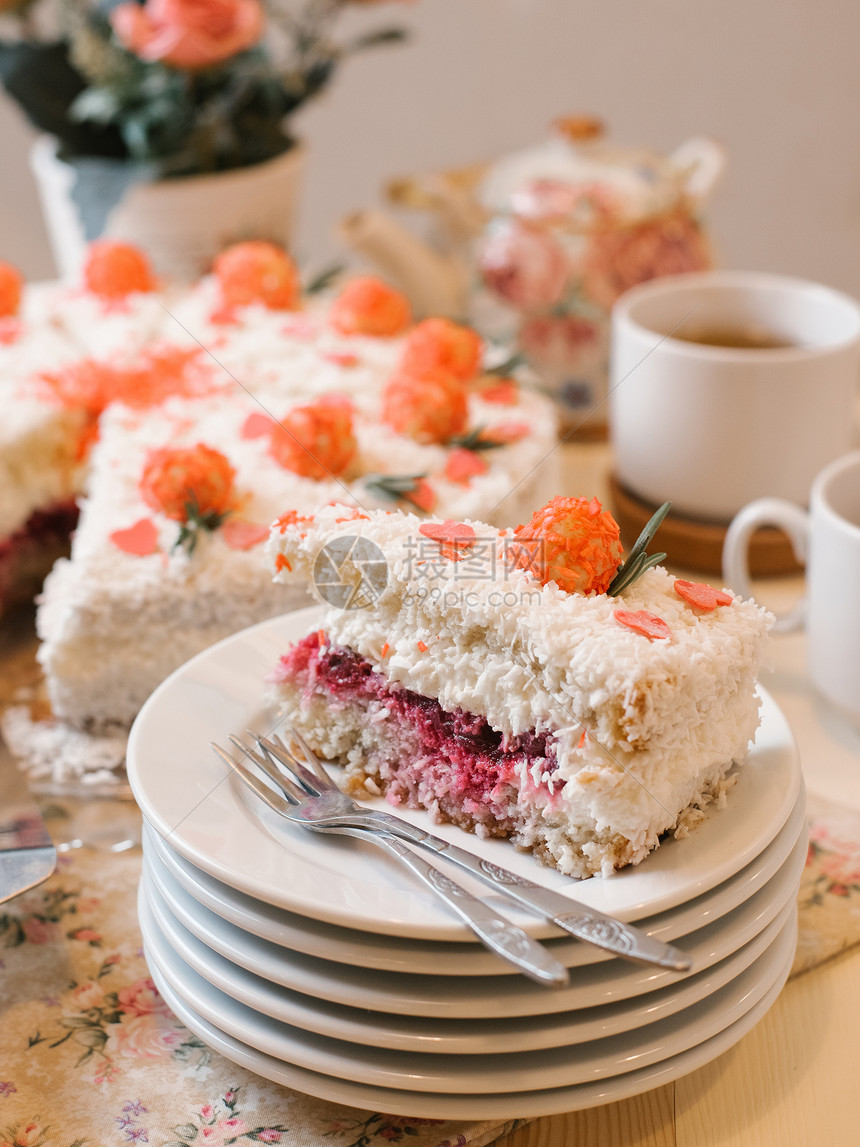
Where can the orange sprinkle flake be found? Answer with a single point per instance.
(583, 737)
(422, 647)
(641, 621)
(155, 376)
(701, 595)
(291, 518)
(282, 562)
(384, 650)
(463, 465)
(354, 515)
(322, 636)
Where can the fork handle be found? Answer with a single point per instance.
(494, 931)
(584, 923)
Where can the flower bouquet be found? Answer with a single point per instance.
(142, 91)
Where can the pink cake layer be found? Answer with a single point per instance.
(28, 554)
(452, 763)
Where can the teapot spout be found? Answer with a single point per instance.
(434, 285)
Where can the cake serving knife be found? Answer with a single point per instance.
(27, 854)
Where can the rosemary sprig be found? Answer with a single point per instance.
(324, 279)
(195, 522)
(507, 367)
(396, 487)
(475, 441)
(637, 561)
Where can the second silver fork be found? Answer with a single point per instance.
(586, 924)
(306, 805)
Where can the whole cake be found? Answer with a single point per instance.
(517, 682)
(177, 423)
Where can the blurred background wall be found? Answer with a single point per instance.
(776, 81)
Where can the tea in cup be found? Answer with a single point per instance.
(727, 386)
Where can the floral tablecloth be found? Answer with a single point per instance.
(90, 1053)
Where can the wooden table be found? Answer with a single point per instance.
(791, 1081)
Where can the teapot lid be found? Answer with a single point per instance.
(576, 179)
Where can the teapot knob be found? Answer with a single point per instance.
(579, 128)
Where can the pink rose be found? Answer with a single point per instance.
(142, 1037)
(27, 1136)
(617, 260)
(227, 1131)
(842, 868)
(42, 931)
(142, 999)
(88, 995)
(89, 935)
(188, 33)
(835, 835)
(524, 265)
(560, 341)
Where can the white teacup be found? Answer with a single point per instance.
(709, 426)
(827, 538)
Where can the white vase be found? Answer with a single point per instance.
(181, 223)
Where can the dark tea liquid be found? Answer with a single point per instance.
(743, 338)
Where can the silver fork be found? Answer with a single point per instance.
(313, 804)
(587, 924)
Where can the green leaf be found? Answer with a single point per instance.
(93, 1038)
(324, 279)
(508, 366)
(650, 529)
(475, 440)
(187, 1131)
(375, 39)
(99, 105)
(393, 486)
(637, 562)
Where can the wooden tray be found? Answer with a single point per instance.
(699, 545)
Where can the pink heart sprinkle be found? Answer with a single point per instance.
(454, 533)
(257, 425)
(242, 535)
(141, 539)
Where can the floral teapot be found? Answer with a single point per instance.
(534, 249)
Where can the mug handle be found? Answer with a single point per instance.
(736, 571)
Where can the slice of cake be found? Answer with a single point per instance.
(494, 678)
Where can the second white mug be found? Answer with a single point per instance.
(827, 539)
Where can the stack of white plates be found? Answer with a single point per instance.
(316, 962)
